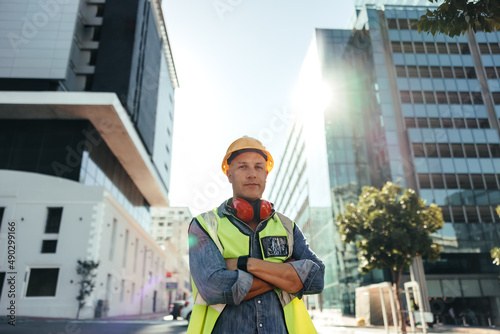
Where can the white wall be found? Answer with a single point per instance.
(85, 234)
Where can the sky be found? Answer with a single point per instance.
(238, 64)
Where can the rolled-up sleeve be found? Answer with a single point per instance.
(308, 266)
(215, 283)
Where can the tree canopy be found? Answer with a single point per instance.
(495, 252)
(86, 270)
(390, 227)
(455, 17)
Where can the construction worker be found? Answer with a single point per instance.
(250, 265)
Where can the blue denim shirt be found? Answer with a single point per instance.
(218, 285)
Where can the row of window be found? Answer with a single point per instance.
(469, 214)
(457, 150)
(458, 181)
(450, 123)
(430, 47)
(422, 71)
(442, 48)
(400, 24)
(443, 97)
(448, 72)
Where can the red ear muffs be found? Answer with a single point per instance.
(245, 211)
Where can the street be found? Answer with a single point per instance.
(130, 327)
(167, 326)
(92, 327)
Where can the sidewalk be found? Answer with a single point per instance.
(331, 318)
(146, 317)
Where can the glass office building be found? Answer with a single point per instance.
(423, 111)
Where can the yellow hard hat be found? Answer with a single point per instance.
(247, 143)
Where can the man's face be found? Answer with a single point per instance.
(247, 173)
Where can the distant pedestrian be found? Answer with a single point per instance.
(453, 318)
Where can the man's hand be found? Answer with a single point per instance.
(281, 275)
(269, 275)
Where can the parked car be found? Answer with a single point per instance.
(176, 308)
(187, 309)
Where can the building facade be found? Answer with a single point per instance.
(86, 121)
(169, 229)
(423, 111)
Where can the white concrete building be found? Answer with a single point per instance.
(170, 230)
(58, 222)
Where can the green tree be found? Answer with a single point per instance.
(455, 17)
(495, 252)
(390, 227)
(86, 270)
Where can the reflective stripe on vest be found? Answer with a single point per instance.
(233, 244)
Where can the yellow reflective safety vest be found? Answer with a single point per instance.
(233, 244)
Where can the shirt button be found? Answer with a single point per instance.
(260, 325)
(258, 301)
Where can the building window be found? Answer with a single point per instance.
(441, 47)
(453, 98)
(453, 47)
(464, 181)
(495, 150)
(458, 214)
(483, 48)
(49, 246)
(113, 239)
(424, 72)
(470, 151)
(419, 47)
(477, 181)
(403, 24)
(459, 72)
(437, 181)
(392, 24)
(465, 98)
(2, 210)
(431, 150)
(401, 71)
(407, 47)
(429, 97)
(396, 47)
(417, 96)
(410, 123)
(464, 49)
(42, 282)
(471, 73)
(53, 220)
(431, 47)
(446, 213)
(405, 96)
(444, 150)
(436, 72)
(424, 181)
(422, 123)
(490, 72)
(451, 181)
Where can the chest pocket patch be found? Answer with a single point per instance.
(275, 246)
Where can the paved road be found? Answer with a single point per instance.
(92, 327)
(152, 327)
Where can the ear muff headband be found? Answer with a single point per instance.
(245, 211)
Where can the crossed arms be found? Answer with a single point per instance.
(219, 282)
(269, 275)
